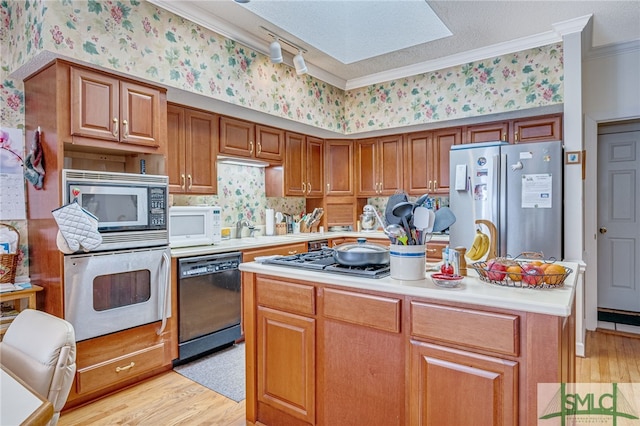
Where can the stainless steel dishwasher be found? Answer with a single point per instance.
(209, 302)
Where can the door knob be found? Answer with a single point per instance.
(603, 230)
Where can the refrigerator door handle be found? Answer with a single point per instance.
(501, 206)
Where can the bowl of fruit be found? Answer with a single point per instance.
(522, 273)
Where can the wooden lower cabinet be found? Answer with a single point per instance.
(321, 354)
(455, 387)
(286, 367)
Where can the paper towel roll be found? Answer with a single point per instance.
(270, 225)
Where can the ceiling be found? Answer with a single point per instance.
(339, 38)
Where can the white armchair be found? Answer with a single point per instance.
(40, 349)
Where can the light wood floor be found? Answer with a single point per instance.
(171, 399)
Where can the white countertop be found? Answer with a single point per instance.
(248, 243)
(556, 301)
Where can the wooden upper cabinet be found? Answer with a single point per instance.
(538, 129)
(303, 166)
(193, 142)
(269, 143)
(443, 140)
(427, 160)
(241, 138)
(339, 167)
(314, 167)
(105, 107)
(490, 132)
(379, 162)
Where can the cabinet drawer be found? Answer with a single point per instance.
(118, 369)
(477, 329)
(284, 250)
(378, 312)
(285, 296)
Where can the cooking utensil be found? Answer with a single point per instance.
(444, 218)
(403, 210)
(394, 232)
(421, 200)
(422, 221)
(361, 253)
(393, 200)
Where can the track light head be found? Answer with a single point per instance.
(298, 62)
(275, 52)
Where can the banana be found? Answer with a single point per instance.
(480, 246)
(485, 245)
(472, 253)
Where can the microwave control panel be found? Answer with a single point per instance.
(158, 206)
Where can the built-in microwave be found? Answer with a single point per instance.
(131, 208)
(194, 226)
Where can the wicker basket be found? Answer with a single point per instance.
(9, 261)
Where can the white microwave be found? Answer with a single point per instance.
(194, 226)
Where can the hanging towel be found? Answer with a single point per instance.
(78, 227)
(34, 163)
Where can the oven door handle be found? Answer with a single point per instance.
(166, 296)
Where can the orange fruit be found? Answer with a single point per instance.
(515, 273)
(535, 263)
(554, 274)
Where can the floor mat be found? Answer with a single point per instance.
(222, 372)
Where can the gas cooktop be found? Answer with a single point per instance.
(323, 261)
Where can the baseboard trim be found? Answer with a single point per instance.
(619, 317)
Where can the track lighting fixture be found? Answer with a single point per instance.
(275, 52)
(298, 62)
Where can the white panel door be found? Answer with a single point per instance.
(619, 221)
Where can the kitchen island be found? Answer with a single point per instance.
(325, 349)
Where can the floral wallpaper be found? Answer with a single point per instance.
(139, 39)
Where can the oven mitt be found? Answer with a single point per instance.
(78, 227)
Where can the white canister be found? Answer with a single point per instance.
(270, 227)
(408, 262)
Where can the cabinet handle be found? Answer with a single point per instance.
(435, 185)
(328, 187)
(259, 148)
(431, 250)
(379, 187)
(126, 367)
(429, 187)
(515, 137)
(125, 124)
(115, 130)
(293, 251)
(304, 187)
(182, 181)
(250, 147)
(190, 181)
(308, 187)
(504, 137)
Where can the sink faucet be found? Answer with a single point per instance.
(241, 224)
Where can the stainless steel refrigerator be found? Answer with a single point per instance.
(517, 187)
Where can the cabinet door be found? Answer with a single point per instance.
(390, 164)
(363, 354)
(139, 114)
(315, 167)
(417, 156)
(269, 144)
(201, 142)
(236, 137)
(95, 105)
(339, 167)
(541, 129)
(176, 149)
(294, 165)
(443, 140)
(489, 395)
(490, 132)
(286, 362)
(366, 158)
